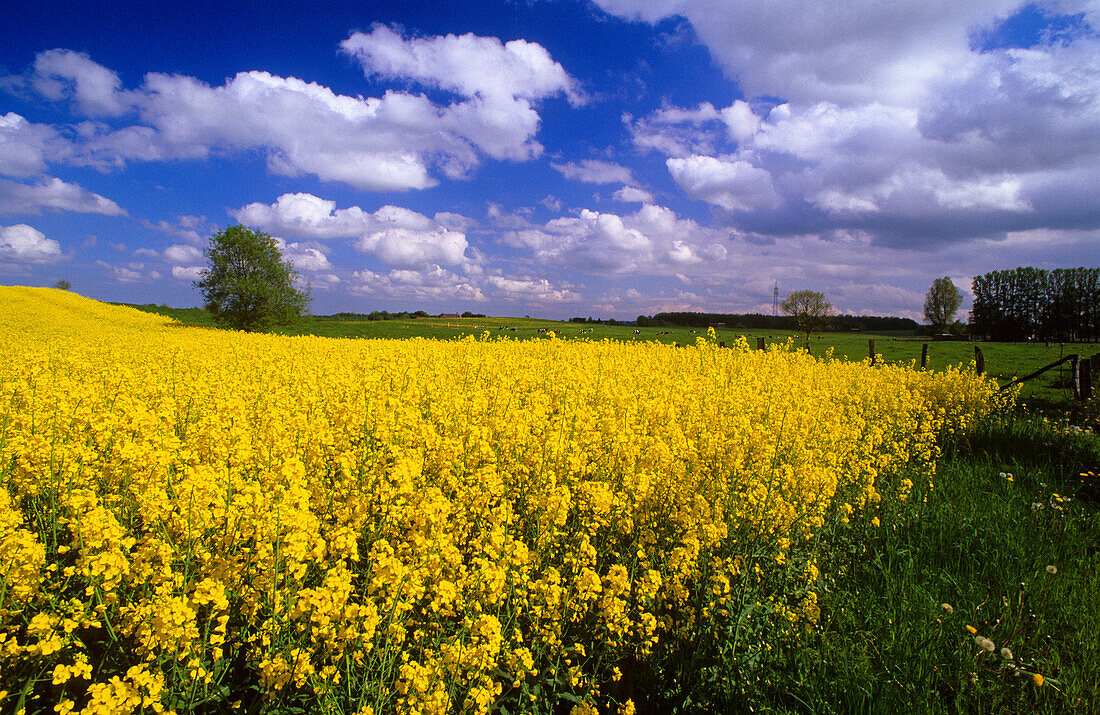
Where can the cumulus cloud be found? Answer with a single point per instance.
(96, 90)
(467, 65)
(593, 171)
(537, 291)
(183, 254)
(410, 248)
(386, 143)
(26, 147)
(193, 229)
(911, 132)
(432, 284)
(306, 257)
(647, 241)
(53, 194)
(733, 184)
(842, 51)
(397, 236)
(133, 272)
(187, 273)
(437, 284)
(25, 244)
(633, 195)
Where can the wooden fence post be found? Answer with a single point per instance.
(1075, 375)
(871, 350)
(1087, 367)
(979, 360)
(760, 343)
(924, 356)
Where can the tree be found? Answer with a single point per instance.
(808, 308)
(942, 301)
(248, 284)
(62, 284)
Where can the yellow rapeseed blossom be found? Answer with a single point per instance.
(432, 524)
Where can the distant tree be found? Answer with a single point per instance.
(940, 304)
(809, 309)
(62, 284)
(248, 284)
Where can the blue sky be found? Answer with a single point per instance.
(551, 157)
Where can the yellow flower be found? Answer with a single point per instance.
(497, 506)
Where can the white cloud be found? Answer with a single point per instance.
(55, 194)
(594, 171)
(432, 284)
(842, 51)
(408, 248)
(397, 236)
(25, 244)
(467, 65)
(25, 147)
(305, 256)
(193, 229)
(187, 273)
(95, 89)
(1009, 140)
(183, 254)
(632, 195)
(122, 274)
(386, 143)
(539, 291)
(436, 284)
(734, 184)
(741, 122)
(647, 241)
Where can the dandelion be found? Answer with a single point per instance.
(1052, 570)
(947, 607)
(1006, 653)
(972, 630)
(1038, 680)
(985, 643)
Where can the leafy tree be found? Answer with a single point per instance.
(808, 308)
(248, 284)
(940, 304)
(62, 284)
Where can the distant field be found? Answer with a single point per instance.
(1004, 361)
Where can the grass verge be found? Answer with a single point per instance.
(1006, 548)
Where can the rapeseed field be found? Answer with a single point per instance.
(198, 519)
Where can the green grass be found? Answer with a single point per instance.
(978, 542)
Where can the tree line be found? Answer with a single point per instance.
(774, 322)
(1032, 303)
